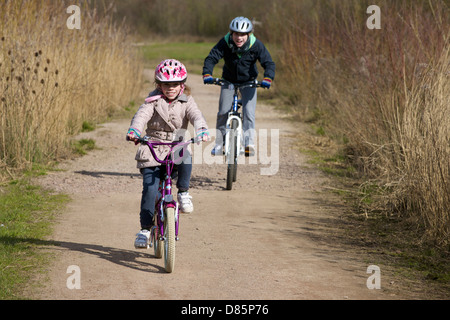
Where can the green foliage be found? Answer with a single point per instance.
(87, 126)
(81, 146)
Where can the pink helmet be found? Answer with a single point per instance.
(170, 70)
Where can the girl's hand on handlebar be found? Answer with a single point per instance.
(131, 136)
(202, 135)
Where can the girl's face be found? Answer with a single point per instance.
(240, 38)
(171, 89)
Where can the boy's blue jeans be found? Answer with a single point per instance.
(151, 178)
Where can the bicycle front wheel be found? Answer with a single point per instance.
(232, 155)
(169, 239)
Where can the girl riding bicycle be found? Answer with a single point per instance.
(165, 116)
(240, 50)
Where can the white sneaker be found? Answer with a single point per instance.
(142, 238)
(217, 150)
(184, 200)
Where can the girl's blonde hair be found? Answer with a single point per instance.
(187, 90)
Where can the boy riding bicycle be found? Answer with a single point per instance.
(240, 50)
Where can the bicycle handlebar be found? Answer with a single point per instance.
(172, 145)
(222, 82)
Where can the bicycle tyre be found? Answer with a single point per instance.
(234, 125)
(232, 156)
(169, 239)
(158, 245)
(236, 155)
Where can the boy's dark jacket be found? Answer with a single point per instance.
(240, 66)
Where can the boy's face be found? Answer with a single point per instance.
(240, 38)
(171, 89)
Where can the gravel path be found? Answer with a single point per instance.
(274, 236)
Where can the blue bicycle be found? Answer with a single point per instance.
(233, 136)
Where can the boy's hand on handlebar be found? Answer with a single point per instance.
(266, 83)
(208, 79)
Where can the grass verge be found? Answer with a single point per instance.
(26, 216)
(191, 54)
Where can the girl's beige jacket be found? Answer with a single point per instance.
(164, 121)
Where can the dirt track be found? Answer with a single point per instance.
(271, 237)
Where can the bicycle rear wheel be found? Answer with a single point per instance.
(232, 156)
(169, 239)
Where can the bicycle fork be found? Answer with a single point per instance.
(232, 117)
(166, 200)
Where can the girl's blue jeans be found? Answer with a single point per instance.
(151, 178)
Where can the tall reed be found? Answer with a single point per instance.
(424, 137)
(385, 92)
(53, 78)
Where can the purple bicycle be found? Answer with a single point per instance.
(164, 233)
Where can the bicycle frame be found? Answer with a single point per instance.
(166, 199)
(233, 134)
(234, 112)
(231, 116)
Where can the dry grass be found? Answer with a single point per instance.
(424, 137)
(53, 78)
(383, 92)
